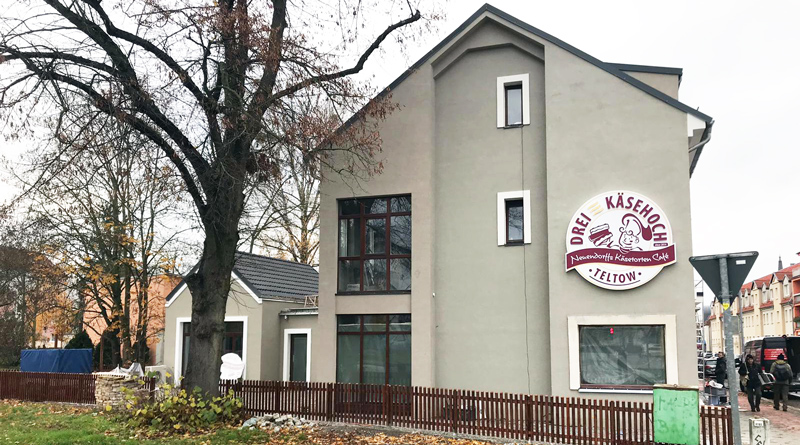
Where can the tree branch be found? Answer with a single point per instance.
(346, 72)
(130, 83)
(104, 105)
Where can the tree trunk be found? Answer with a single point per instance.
(211, 282)
(125, 324)
(113, 338)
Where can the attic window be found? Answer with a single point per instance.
(513, 103)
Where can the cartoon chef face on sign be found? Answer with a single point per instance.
(631, 234)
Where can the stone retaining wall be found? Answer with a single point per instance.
(108, 389)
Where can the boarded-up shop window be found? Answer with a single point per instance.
(628, 356)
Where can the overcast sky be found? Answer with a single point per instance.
(740, 66)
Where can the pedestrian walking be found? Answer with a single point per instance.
(721, 373)
(783, 374)
(751, 383)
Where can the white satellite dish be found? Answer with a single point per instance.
(232, 367)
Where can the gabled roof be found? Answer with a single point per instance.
(269, 278)
(759, 282)
(611, 68)
(273, 277)
(780, 275)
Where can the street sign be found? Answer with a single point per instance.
(739, 265)
(724, 274)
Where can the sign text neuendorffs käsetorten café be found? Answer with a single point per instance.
(619, 240)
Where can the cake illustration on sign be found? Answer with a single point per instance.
(619, 240)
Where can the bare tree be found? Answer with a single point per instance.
(107, 213)
(204, 82)
(295, 235)
(31, 285)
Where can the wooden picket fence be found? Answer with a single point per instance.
(47, 387)
(550, 419)
(509, 416)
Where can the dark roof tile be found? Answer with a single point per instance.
(276, 278)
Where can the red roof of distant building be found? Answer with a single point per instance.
(748, 309)
(763, 280)
(783, 273)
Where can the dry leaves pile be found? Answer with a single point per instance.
(352, 438)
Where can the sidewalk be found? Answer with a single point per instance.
(784, 426)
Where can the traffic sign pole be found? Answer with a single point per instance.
(724, 275)
(733, 375)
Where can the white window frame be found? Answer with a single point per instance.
(179, 322)
(517, 79)
(502, 197)
(670, 345)
(287, 347)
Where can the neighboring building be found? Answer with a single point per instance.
(796, 297)
(716, 327)
(49, 337)
(768, 308)
(160, 286)
(516, 157)
(268, 297)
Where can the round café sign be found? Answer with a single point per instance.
(619, 240)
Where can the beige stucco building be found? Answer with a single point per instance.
(548, 193)
(502, 135)
(268, 298)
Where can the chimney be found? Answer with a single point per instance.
(780, 263)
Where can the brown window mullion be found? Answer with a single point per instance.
(388, 251)
(362, 229)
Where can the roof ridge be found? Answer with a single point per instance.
(275, 259)
(607, 67)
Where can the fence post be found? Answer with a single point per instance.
(529, 416)
(387, 403)
(329, 391)
(278, 386)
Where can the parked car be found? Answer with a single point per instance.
(766, 350)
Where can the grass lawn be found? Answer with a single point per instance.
(55, 424)
(43, 424)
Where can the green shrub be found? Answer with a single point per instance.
(80, 341)
(177, 411)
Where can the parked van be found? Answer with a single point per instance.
(766, 350)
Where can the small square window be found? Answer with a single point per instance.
(513, 105)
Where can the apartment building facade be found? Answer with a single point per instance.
(548, 193)
(768, 306)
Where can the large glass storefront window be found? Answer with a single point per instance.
(232, 342)
(374, 349)
(613, 356)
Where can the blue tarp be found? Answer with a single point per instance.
(78, 361)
